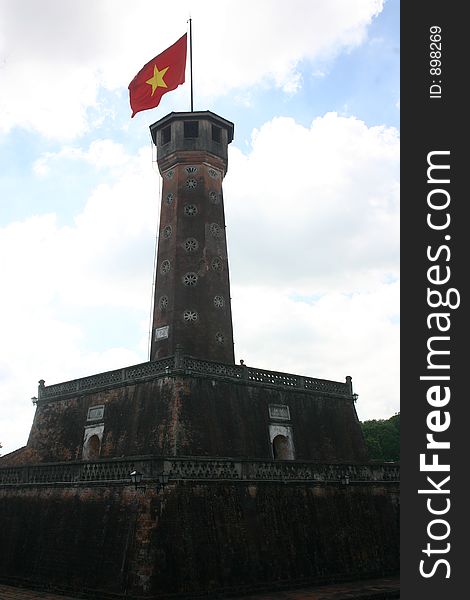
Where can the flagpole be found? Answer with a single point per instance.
(191, 59)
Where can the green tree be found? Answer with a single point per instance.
(382, 438)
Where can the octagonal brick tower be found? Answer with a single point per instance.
(192, 291)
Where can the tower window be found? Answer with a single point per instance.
(214, 197)
(165, 267)
(217, 264)
(216, 134)
(191, 129)
(166, 135)
(219, 301)
(191, 245)
(190, 210)
(191, 183)
(190, 279)
(190, 316)
(216, 231)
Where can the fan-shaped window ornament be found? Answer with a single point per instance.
(163, 303)
(216, 231)
(190, 279)
(190, 170)
(190, 316)
(219, 338)
(219, 301)
(191, 183)
(191, 245)
(190, 210)
(169, 174)
(213, 173)
(217, 264)
(169, 198)
(167, 232)
(165, 267)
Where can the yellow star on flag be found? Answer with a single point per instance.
(157, 79)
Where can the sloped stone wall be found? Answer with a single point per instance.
(196, 537)
(191, 415)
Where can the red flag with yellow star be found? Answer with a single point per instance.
(162, 74)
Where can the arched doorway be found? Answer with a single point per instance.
(91, 449)
(92, 439)
(281, 448)
(282, 443)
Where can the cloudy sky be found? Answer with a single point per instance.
(311, 195)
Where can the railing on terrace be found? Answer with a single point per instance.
(185, 364)
(199, 469)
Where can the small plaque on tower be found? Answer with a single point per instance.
(161, 333)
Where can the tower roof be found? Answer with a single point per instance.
(192, 116)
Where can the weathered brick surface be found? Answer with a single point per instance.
(197, 416)
(197, 537)
(65, 536)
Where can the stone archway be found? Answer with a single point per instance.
(281, 448)
(92, 439)
(93, 448)
(282, 443)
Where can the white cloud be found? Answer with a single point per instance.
(57, 56)
(323, 216)
(101, 154)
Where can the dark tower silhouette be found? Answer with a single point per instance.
(192, 291)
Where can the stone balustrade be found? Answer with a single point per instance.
(180, 364)
(199, 469)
